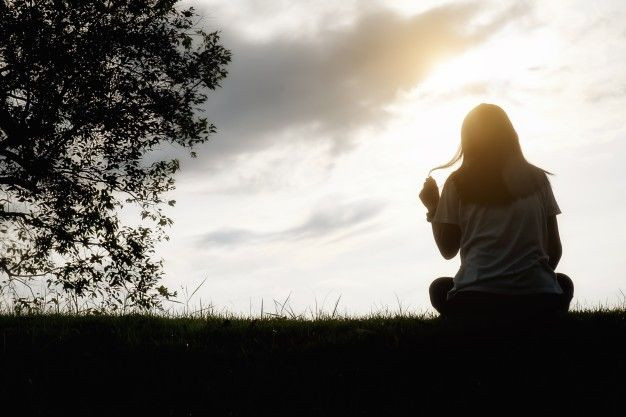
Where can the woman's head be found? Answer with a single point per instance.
(488, 136)
(493, 170)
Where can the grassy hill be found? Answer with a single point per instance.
(385, 365)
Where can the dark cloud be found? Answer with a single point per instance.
(322, 223)
(328, 87)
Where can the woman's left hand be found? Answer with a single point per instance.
(430, 194)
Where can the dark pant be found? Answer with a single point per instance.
(477, 303)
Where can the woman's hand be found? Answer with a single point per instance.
(430, 194)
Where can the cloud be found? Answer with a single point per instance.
(322, 223)
(599, 93)
(326, 88)
(478, 88)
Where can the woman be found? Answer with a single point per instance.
(499, 210)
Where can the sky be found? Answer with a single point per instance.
(334, 112)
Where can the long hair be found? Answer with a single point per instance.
(493, 169)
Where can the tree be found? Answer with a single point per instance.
(88, 88)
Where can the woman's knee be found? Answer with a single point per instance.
(438, 292)
(566, 283)
(440, 285)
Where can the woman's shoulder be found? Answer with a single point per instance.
(542, 185)
(451, 181)
(540, 176)
(524, 179)
(450, 187)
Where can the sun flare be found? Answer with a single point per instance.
(500, 62)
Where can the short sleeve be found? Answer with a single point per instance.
(448, 208)
(550, 204)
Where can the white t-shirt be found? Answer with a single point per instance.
(503, 248)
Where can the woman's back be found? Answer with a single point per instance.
(503, 248)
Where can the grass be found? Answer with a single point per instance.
(377, 365)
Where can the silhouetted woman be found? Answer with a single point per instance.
(499, 210)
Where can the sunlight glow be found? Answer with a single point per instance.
(505, 71)
(499, 61)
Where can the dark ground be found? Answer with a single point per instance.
(139, 365)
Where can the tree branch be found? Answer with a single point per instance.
(14, 214)
(12, 156)
(9, 127)
(10, 180)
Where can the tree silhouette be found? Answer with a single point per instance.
(87, 89)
